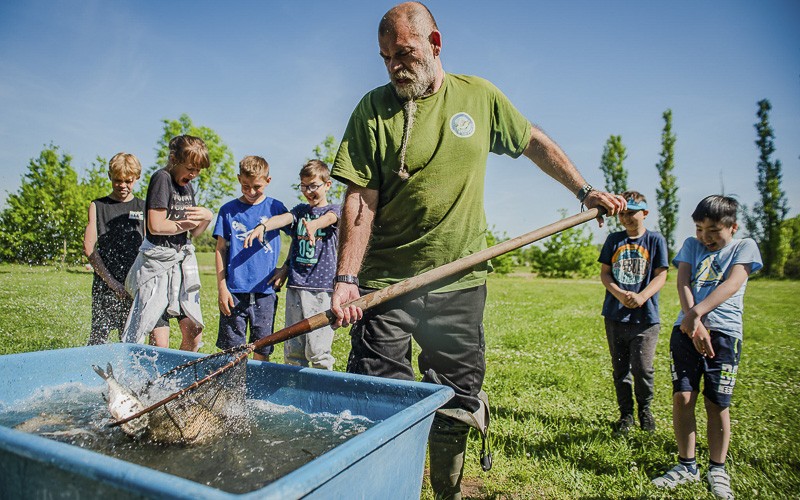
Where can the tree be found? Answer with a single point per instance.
(667, 190)
(45, 219)
(96, 183)
(570, 253)
(764, 222)
(614, 172)
(790, 247)
(214, 183)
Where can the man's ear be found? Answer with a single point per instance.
(435, 39)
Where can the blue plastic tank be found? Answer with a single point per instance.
(385, 461)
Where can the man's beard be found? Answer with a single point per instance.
(421, 79)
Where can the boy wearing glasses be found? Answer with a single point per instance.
(311, 265)
(634, 265)
(245, 272)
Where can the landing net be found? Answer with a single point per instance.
(204, 411)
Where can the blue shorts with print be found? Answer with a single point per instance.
(255, 309)
(718, 373)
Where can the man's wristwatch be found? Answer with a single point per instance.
(584, 192)
(346, 278)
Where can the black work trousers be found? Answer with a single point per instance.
(449, 330)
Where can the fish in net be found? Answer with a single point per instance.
(206, 410)
(195, 412)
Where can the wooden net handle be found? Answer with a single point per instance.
(428, 277)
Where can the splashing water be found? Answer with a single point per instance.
(271, 441)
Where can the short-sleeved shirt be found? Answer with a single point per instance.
(313, 267)
(120, 231)
(249, 269)
(633, 264)
(437, 215)
(709, 270)
(164, 192)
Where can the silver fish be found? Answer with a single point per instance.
(44, 421)
(182, 421)
(69, 434)
(122, 403)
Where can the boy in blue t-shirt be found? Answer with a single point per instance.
(706, 341)
(311, 265)
(244, 274)
(634, 265)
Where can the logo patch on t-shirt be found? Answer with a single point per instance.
(462, 125)
(136, 215)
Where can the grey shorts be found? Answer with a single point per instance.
(313, 348)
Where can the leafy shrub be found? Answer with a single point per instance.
(205, 242)
(570, 253)
(502, 264)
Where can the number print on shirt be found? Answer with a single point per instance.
(305, 250)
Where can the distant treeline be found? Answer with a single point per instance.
(44, 221)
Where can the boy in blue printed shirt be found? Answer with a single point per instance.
(244, 274)
(634, 265)
(311, 265)
(706, 342)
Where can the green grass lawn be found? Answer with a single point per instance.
(548, 379)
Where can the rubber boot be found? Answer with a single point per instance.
(447, 445)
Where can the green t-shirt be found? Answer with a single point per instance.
(435, 216)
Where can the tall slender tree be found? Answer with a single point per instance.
(667, 190)
(612, 166)
(764, 223)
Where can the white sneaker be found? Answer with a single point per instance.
(720, 483)
(679, 474)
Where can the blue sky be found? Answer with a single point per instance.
(274, 78)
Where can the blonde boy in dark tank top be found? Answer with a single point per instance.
(111, 241)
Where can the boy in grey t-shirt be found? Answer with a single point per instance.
(706, 341)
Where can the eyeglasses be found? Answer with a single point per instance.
(310, 188)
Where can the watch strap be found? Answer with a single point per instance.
(583, 192)
(346, 278)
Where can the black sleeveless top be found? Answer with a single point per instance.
(120, 232)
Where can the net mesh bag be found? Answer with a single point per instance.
(201, 412)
